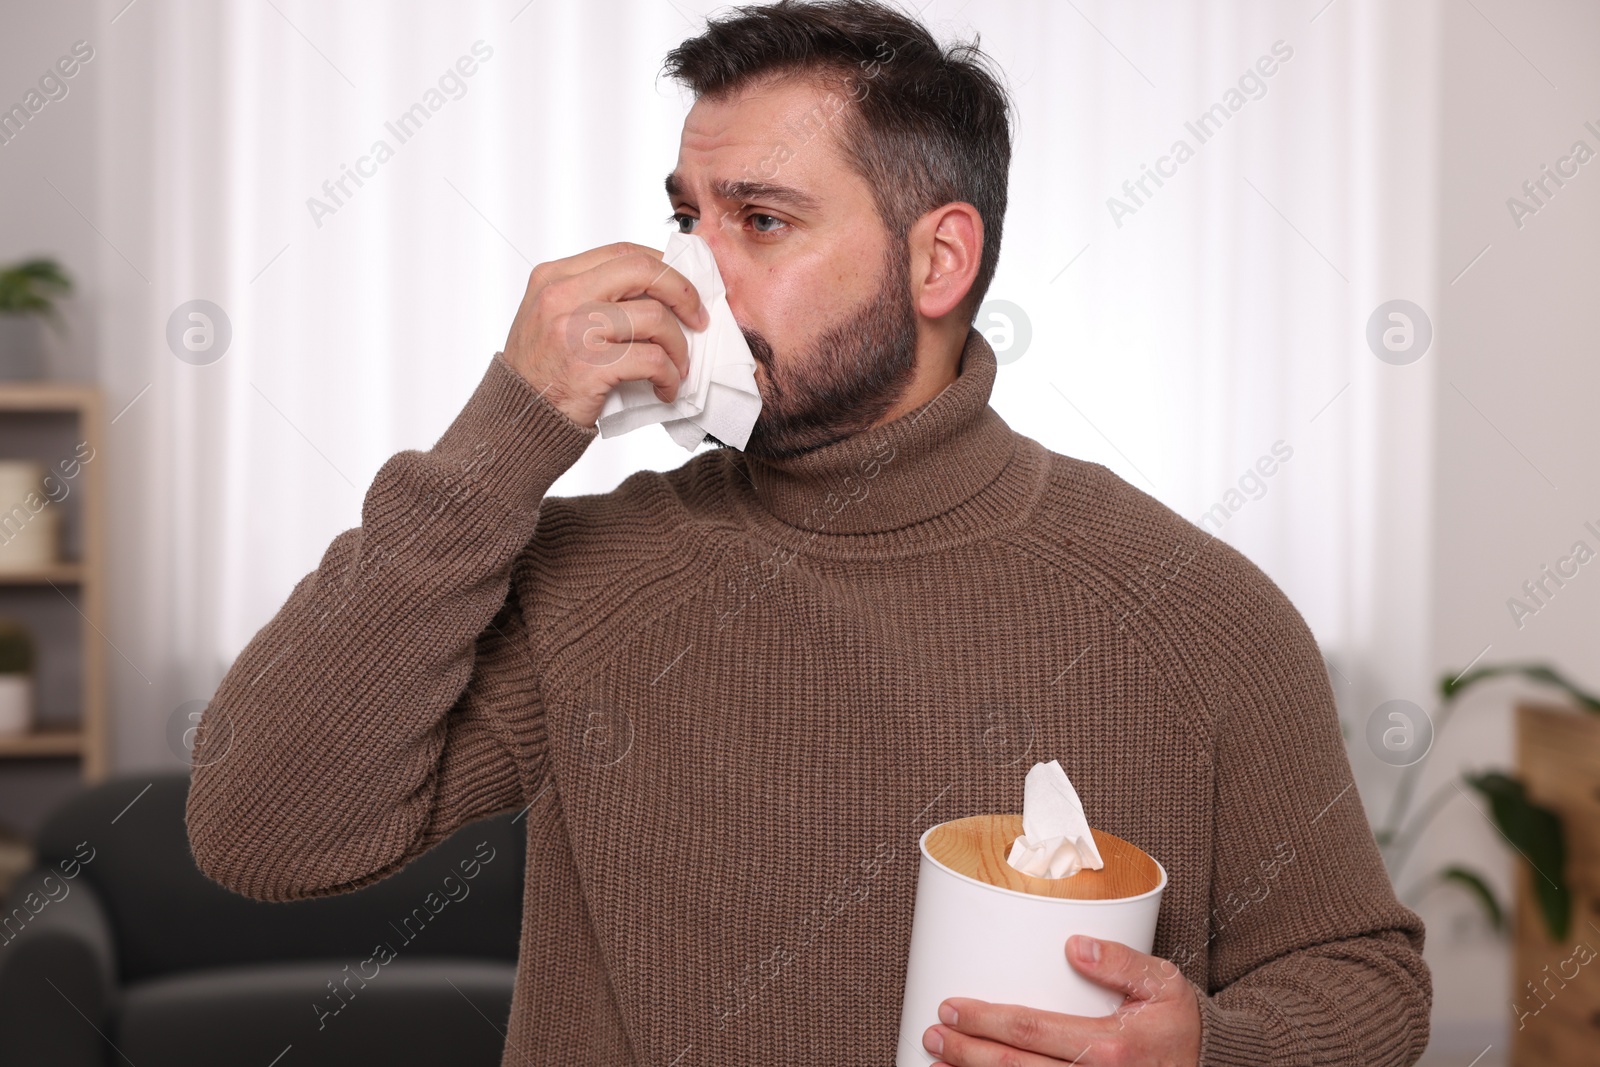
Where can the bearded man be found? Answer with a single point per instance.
(729, 698)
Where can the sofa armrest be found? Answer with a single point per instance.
(58, 972)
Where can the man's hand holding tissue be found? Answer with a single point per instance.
(604, 316)
(1157, 1024)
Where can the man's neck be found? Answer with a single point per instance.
(938, 364)
(940, 456)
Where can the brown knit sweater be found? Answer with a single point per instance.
(731, 696)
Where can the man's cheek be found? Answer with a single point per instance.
(785, 307)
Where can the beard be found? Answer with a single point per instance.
(846, 380)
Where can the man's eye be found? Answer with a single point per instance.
(760, 228)
(681, 219)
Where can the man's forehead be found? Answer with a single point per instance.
(762, 112)
(773, 141)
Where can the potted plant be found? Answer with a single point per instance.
(1533, 829)
(28, 292)
(16, 678)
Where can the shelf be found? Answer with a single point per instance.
(63, 601)
(45, 396)
(60, 573)
(46, 742)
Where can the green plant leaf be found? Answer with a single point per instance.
(45, 273)
(1535, 831)
(1475, 885)
(30, 287)
(1452, 685)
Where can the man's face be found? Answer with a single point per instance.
(814, 279)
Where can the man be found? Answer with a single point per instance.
(730, 697)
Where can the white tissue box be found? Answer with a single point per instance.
(991, 934)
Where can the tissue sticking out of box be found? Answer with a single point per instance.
(1055, 840)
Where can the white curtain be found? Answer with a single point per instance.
(1224, 315)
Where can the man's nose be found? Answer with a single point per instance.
(714, 231)
(723, 251)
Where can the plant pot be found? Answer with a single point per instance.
(1555, 986)
(22, 356)
(16, 704)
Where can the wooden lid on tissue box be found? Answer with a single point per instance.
(978, 845)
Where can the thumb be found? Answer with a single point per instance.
(1117, 966)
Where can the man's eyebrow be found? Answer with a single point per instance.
(747, 191)
(766, 192)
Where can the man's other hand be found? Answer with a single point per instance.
(601, 317)
(1158, 1022)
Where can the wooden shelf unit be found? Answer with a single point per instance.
(1555, 999)
(81, 581)
(58, 574)
(47, 741)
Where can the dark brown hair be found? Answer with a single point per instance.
(924, 125)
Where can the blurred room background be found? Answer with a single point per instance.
(1362, 271)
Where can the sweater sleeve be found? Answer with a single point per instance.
(393, 698)
(1312, 958)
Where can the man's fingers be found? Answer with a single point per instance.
(962, 1051)
(977, 1033)
(599, 331)
(644, 361)
(1130, 972)
(1048, 1033)
(557, 269)
(653, 322)
(637, 275)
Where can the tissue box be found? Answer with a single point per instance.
(984, 929)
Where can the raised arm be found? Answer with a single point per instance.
(391, 698)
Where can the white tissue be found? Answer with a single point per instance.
(1055, 839)
(720, 395)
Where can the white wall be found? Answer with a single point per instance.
(57, 148)
(1516, 398)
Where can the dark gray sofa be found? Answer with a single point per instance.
(116, 949)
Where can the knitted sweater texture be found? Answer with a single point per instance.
(730, 697)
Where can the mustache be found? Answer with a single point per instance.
(760, 349)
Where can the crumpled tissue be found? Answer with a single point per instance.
(1055, 840)
(720, 395)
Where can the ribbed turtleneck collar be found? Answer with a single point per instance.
(922, 464)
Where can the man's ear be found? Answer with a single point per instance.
(946, 246)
